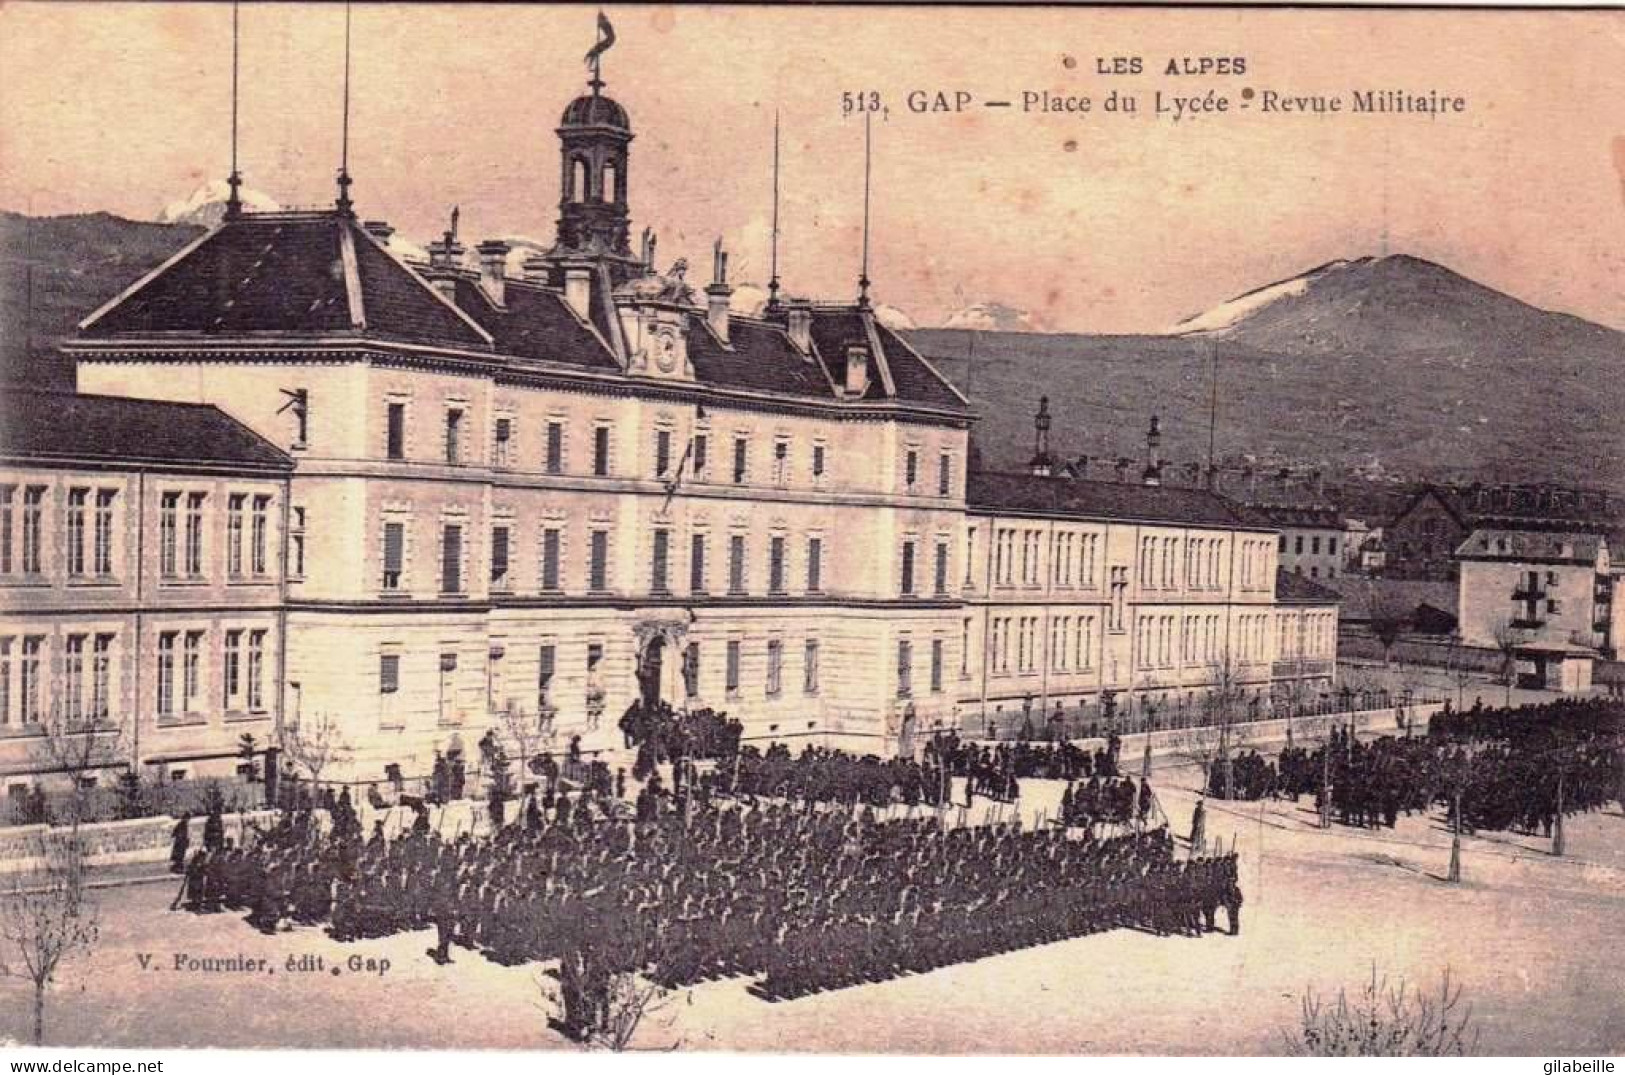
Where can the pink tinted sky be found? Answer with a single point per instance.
(1135, 225)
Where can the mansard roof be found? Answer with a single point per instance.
(1302, 516)
(305, 276)
(49, 426)
(290, 275)
(1027, 494)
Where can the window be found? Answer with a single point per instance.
(395, 432)
(101, 673)
(5, 681)
(191, 671)
(775, 666)
(809, 667)
(1283, 543)
(256, 671)
(194, 534)
(1314, 544)
(231, 677)
(73, 677)
(444, 713)
(696, 564)
(732, 682)
(546, 658)
(907, 573)
(911, 468)
(741, 459)
(389, 673)
(697, 463)
(1119, 597)
(550, 559)
(964, 647)
(945, 480)
(815, 565)
(74, 544)
(970, 554)
(905, 668)
(451, 558)
(166, 673)
(31, 692)
(234, 534)
(553, 456)
(598, 561)
(169, 506)
(501, 442)
(736, 563)
(600, 451)
(394, 554)
(660, 556)
(691, 670)
(1297, 545)
(775, 564)
(7, 493)
(454, 437)
(941, 582)
(936, 665)
(499, 557)
(818, 461)
(1331, 546)
(781, 461)
(33, 529)
(662, 452)
(258, 536)
(296, 544)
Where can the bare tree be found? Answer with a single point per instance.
(76, 747)
(529, 732)
(1223, 706)
(1459, 665)
(1507, 639)
(1385, 1020)
(47, 918)
(312, 743)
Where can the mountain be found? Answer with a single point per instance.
(68, 266)
(993, 317)
(207, 204)
(1391, 364)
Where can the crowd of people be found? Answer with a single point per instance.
(1509, 769)
(797, 896)
(1115, 800)
(1044, 761)
(821, 775)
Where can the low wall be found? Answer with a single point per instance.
(23, 848)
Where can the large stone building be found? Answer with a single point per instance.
(538, 496)
(141, 586)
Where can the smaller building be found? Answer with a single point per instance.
(1314, 538)
(142, 563)
(1549, 595)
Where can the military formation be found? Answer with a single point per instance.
(1509, 769)
(800, 895)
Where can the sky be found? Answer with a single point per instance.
(1094, 223)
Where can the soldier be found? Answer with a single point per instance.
(180, 840)
(1199, 828)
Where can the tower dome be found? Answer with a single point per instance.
(595, 110)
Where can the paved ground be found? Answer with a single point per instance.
(1536, 940)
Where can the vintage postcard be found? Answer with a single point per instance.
(921, 529)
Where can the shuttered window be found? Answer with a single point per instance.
(394, 554)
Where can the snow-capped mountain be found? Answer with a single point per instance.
(207, 204)
(1228, 314)
(995, 317)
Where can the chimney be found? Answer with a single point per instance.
(578, 290)
(1152, 475)
(857, 370)
(1042, 464)
(717, 293)
(799, 312)
(494, 270)
(378, 229)
(445, 258)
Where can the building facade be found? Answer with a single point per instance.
(1095, 597)
(528, 499)
(1313, 538)
(141, 587)
(1550, 595)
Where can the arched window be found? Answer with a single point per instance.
(578, 180)
(607, 191)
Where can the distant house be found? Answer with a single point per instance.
(1421, 540)
(1314, 537)
(1549, 594)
